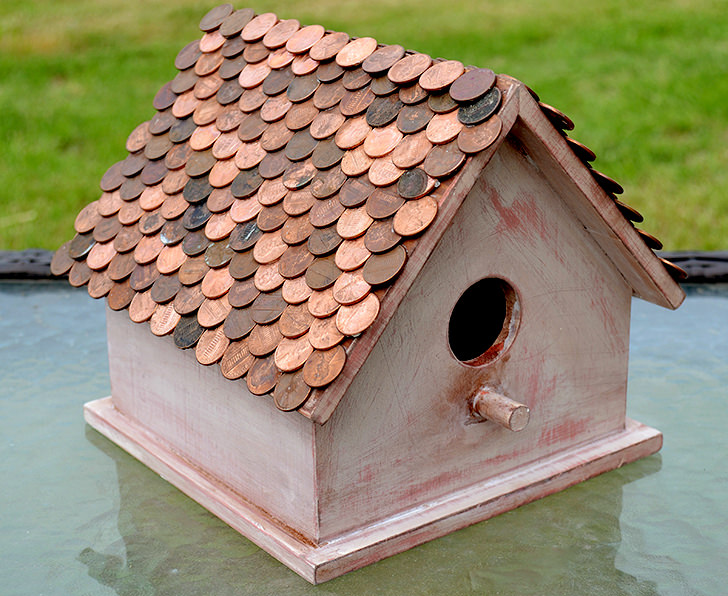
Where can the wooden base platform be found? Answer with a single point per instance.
(353, 550)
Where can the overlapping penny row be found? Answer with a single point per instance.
(564, 124)
(269, 203)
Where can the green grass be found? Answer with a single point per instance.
(645, 82)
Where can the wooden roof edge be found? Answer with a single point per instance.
(618, 238)
(322, 404)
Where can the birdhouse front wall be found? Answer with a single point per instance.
(404, 433)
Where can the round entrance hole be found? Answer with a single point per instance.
(480, 324)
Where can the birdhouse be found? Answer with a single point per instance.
(359, 298)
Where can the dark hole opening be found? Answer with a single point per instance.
(478, 319)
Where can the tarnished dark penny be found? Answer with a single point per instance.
(246, 183)
(252, 99)
(355, 79)
(472, 85)
(233, 47)
(62, 262)
(473, 139)
(164, 98)
(325, 212)
(412, 184)
(195, 243)
(215, 17)
(300, 146)
(238, 323)
(557, 117)
(322, 273)
(220, 200)
(383, 110)
(295, 261)
(383, 203)
(381, 237)
(443, 160)
(267, 308)
(382, 268)
(355, 192)
(301, 115)
(161, 122)
(382, 86)
(326, 154)
(329, 72)
(151, 222)
(196, 216)
(237, 360)
(256, 52)
(229, 92)
(413, 118)
(326, 124)
(188, 300)
(218, 254)
(251, 127)
(104, 230)
(302, 88)
(120, 295)
(244, 236)
(277, 81)
(276, 136)
(650, 240)
(131, 188)
(412, 94)
(127, 238)
(165, 288)
(271, 218)
(242, 293)
(121, 266)
(324, 241)
(153, 173)
(182, 130)
(188, 55)
(184, 81)
(628, 212)
(441, 103)
(79, 274)
(322, 367)
(291, 392)
(243, 265)
(262, 376)
(264, 339)
(356, 102)
(199, 163)
(328, 46)
(192, 271)
(187, 332)
(143, 277)
(383, 59)
(482, 109)
(327, 183)
(138, 138)
(231, 68)
(233, 24)
(610, 185)
(580, 150)
(273, 165)
(328, 95)
(409, 68)
(196, 190)
(296, 230)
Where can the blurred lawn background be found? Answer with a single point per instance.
(645, 82)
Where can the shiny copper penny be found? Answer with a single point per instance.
(296, 291)
(264, 339)
(305, 39)
(223, 173)
(322, 303)
(208, 64)
(280, 58)
(148, 249)
(443, 128)
(650, 240)
(353, 320)
(193, 270)
(61, 262)
(269, 248)
(324, 334)
(328, 46)
(138, 138)
(441, 75)
(100, 255)
(381, 141)
(303, 65)
(482, 109)
(237, 360)
(174, 206)
(472, 85)
(171, 259)
(381, 237)
(291, 354)
(213, 312)
(473, 139)
(129, 214)
(322, 367)
(276, 136)
(409, 68)
(262, 376)
(211, 346)
(352, 133)
(298, 202)
(267, 278)
(211, 41)
(164, 320)
(301, 115)
(296, 230)
(258, 26)
(412, 150)
(351, 254)
(351, 287)
(326, 124)
(99, 284)
(238, 324)
(291, 392)
(245, 210)
(242, 293)
(215, 17)
(356, 162)
(295, 321)
(353, 222)
(188, 300)
(187, 332)
(216, 283)
(325, 212)
(382, 268)
(280, 33)
(142, 307)
(295, 261)
(443, 160)
(253, 75)
(87, 218)
(383, 172)
(127, 238)
(356, 102)
(415, 216)
(252, 99)
(383, 59)
(109, 203)
(79, 275)
(322, 273)
(355, 52)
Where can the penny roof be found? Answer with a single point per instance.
(283, 184)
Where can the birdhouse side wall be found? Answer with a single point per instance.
(238, 439)
(404, 434)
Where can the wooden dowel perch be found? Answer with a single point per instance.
(501, 409)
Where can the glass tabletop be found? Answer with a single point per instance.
(80, 516)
